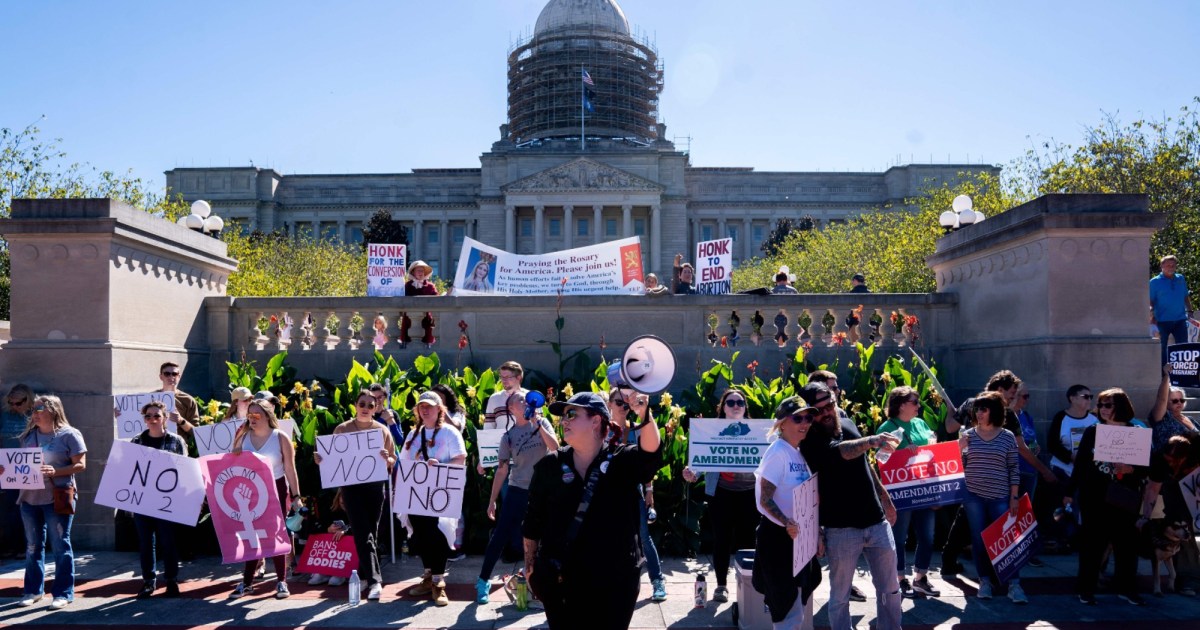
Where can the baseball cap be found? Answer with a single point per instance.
(791, 405)
(859, 277)
(815, 393)
(586, 400)
(430, 398)
(240, 393)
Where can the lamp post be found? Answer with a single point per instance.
(962, 214)
(203, 220)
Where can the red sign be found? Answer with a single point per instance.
(1012, 540)
(631, 264)
(322, 554)
(933, 475)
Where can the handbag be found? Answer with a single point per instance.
(64, 500)
(1123, 497)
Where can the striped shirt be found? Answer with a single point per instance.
(991, 466)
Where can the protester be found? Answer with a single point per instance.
(18, 404)
(993, 479)
(364, 502)
(903, 409)
(783, 284)
(1178, 459)
(856, 512)
(152, 530)
(730, 499)
(433, 440)
(261, 435)
(381, 336)
(187, 412)
(1029, 474)
(418, 280)
(858, 284)
(788, 594)
(530, 438)
(1166, 417)
(50, 510)
(454, 409)
(1170, 304)
(510, 374)
(384, 414)
(1062, 440)
(653, 287)
(1110, 500)
(683, 277)
(239, 403)
(623, 402)
(582, 552)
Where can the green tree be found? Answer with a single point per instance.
(276, 264)
(381, 228)
(782, 229)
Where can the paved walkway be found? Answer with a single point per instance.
(107, 583)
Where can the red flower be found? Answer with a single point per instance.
(752, 366)
(462, 342)
(807, 346)
(462, 325)
(274, 319)
(839, 338)
(724, 342)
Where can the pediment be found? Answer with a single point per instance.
(581, 174)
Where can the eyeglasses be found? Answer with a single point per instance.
(803, 418)
(157, 416)
(735, 402)
(1176, 401)
(366, 405)
(39, 408)
(1084, 396)
(1105, 405)
(171, 374)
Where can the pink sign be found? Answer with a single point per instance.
(246, 513)
(328, 557)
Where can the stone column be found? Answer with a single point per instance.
(655, 237)
(510, 228)
(539, 229)
(568, 226)
(721, 233)
(418, 240)
(598, 230)
(341, 230)
(444, 240)
(471, 226)
(747, 239)
(695, 239)
(627, 220)
(316, 229)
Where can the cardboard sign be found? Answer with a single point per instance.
(1012, 540)
(1123, 445)
(612, 268)
(351, 458)
(246, 512)
(428, 489)
(488, 441)
(1189, 487)
(724, 445)
(127, 409)
(805, 511)
(714, 267)
(22, 469)
(932, 476)
(386, 270)
(152, 482)
(328, 557)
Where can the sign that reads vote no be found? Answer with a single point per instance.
(22, 469)
(127, 408)
(426, 489)
(351, 458)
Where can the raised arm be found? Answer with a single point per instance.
(1164, 394)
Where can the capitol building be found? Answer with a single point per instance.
(543, 186)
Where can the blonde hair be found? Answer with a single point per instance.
(55, 407)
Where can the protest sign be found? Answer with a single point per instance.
(386, 270)
(1185, 364)
(489, 446)
(246, 513)
(1012, 540)
(805, 511)
(714, 267)
(323, 555)
(1189, 487)
(929, 477)
(428, 489)
(1123, 445)
(22, 469)
(612, 268)
(127, 408)
(152, 482)
(214, 439)
(723, 445)
(351, 458)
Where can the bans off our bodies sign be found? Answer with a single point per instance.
(723, 445)
(929, 477)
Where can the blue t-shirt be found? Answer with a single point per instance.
(11, 426)
(1029, 433)
(1167, 297)
(57, 451)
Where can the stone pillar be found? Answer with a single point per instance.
(568, 226)
(510, 228)
(82, 271)
(721, 233)
(316, 229)
(695, 239)
(747, 240)
(471, 226)
(539, 229)
(418, 240)
(598, 218)
(444, 254)
(627, 220)
(342, 230)
(655, 238)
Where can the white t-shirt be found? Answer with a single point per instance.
(446, 445)
(495, 406)
(1071, 434)
(786, 469)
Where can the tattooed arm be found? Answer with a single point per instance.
(768, 504)
(853, 448)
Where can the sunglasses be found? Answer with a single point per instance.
(1024, 396)
(1084, 396)
(620, 403)
(913, 401)
(16, 403)
(735, 402)
(1176, 401)
(803, 418)
(40, 408)
(366, 405)
(1105, 405)
(254, 414)
(172, 374)
(152, 415)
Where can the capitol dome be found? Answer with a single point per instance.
(603, 15)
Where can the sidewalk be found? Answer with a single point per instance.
(108, 581)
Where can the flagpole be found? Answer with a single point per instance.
(582, 108)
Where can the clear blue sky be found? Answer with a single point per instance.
(340, 87)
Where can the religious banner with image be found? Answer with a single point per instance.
(714, 267)
(931, 476)
(724, 445)
(152, 482)
(612, 268)
(1012, 540)
(246, 512)
(127, 409)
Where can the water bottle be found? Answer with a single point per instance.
(651, 516)
(522, 592)
(882, 455)
(355, 588)
(701, 590)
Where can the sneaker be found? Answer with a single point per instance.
(660, 590)
(921, 585)
(337, 581)
(1017, 594)
(985, 590)
(148, 587)
(1132, 598)
(317, 579)
(906, 589)
(438, 591)
(241, 590)
(1087, 600)
(281, 590)
(856, 594)
(424, 588)
(721, 594)
(375, 592)
(172, 589)
(59, 603)
(482, 589)
(458, 555)
(30, 600)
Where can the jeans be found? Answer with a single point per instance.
(151, 530)
(653, 567)
(1177, 329)
(512, 512)
(843, 545)
(38, 519)
(922, 522)
(982, 512)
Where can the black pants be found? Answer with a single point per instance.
(734, 517)
(154, 530)
(364, 505)
(958, 537)
(431, 544)
(281, 562)
(1104, 525)
(594, 597)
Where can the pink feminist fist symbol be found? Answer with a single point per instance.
(242, 495)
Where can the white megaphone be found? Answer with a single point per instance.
(647, 365)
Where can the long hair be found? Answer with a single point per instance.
(418, 428)
(1122, 406)
(449, 398)
(55, 407)
(22, 389)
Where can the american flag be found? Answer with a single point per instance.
(587, 78)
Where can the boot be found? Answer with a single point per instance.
(425, 587)
(439, 593)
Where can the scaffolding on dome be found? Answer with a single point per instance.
(545, 86)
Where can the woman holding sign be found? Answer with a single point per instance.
(363, 502)
(1110, 500)
(434, 441)
(903, 409)
(261, 435)
(149, 528)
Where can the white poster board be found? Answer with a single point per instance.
(612, 268)
(127, 409)
(805, 511)
(428, 489)
(22, 469)
(489, 446)
(351, 458)
(1189, 487)
(1123, 445)
(152, 482)
(386, 270)
(725, 445)
(714, 267)
(215, 439)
